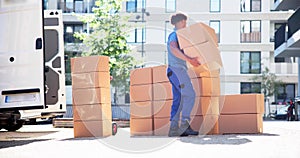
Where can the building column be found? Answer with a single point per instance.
(298, 85)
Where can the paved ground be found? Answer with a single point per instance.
(280, 139)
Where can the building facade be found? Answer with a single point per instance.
(245, 30)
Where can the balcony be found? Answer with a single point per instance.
(286, 4)
(287, 38)
(76, 7)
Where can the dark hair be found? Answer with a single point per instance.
(177, 17)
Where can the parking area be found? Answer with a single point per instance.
(279, 139)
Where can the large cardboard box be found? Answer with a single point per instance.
(204, 70)
(141, 127)
(93, 112)
(206, 106)
(89, 64)
(141, 76)
(206, 86)
(162, 91)
(162, 108)
(98, 128)
(91, 96)
(206, 124)
(196, 34)
(160, 74)
(91, 80)
(206, 53)
(141, 109)
(140, 93)
(241, 123)
(242, 104)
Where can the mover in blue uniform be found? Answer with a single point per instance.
(182, 89)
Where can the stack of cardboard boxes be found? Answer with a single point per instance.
(241, 113)
(91, 96)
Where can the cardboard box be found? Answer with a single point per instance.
(160, 74)
(206, 53)
(206, 86)
(99, 128)
(162, 91)
(162, 108)
(89, 64)
(141, 127)
(204, 70)
(161, 126)
(91, 80)
(91, 96)
(206, 106)
(242, 104)
(93, 112)
(141, 109)
(241, 123)
(141, 76)
(140, 93)
(196, 34)
(207, 124)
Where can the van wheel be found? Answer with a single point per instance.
(14, 127)
(114, 128)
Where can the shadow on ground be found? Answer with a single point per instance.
(230, 139)
(14, 143)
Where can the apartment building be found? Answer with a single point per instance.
(245, 30)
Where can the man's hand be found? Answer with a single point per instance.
(194, 61)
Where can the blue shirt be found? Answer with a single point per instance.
(173, 61)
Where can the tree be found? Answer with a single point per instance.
(108, 37)
(269, 84)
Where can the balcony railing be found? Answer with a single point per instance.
(254, 37)
(76, 7)
(294, 23)
(280, 36)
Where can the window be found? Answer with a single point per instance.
(250, 5)
(69, 30)
(133, 6)
(170, 6)
(285, 92)
(215, 24)
(46, 5)
(77, 6)
(136, 36)
(250, 63)
(215, 6)
(250, 87)
(250, 31)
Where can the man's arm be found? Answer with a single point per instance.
(179, 54)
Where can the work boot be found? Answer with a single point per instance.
(186, 129)
(174, 129)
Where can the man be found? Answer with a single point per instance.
(182, 89)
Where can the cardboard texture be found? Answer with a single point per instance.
(202, 71)
(205, 53)
(162, 91)
(141, 76)
(207, 124)
(140, 93)
(196, 34)
(161, 126)
(91, 80)
(241, 123)
(206, 86)
(92, 112)
(162, 108)
(242, 104)
(141, 127)
(99, 128)
(206, 106)
(141, 109)
(89, 64)
(160, 74)
(91, 96)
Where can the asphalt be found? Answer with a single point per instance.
(280, 139)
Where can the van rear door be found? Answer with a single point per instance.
(21, 54)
